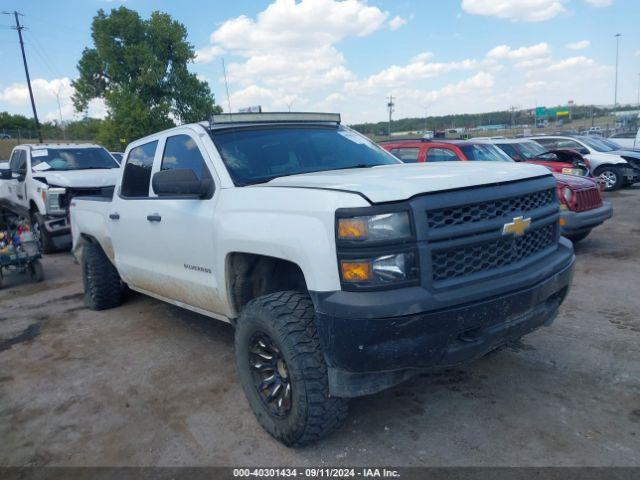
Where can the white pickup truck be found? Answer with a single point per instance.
(40, 180)
(343, 271)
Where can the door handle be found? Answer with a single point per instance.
(154, 218)
(114, 216)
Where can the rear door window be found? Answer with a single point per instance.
(407, 155)
(137, 172)
(441, 155)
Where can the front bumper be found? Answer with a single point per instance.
(368, 353)
(576, 223)
(58, 229)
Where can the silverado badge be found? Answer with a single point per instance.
(517, 227)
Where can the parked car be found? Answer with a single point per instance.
(604, 161)
(343, 271)
(581, 205)
(424, 150)
(5, 136)
(42, 178)
(557, 160)
(627, 140)
(117, 156)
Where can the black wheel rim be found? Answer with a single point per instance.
(270, 374)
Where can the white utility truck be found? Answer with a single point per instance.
(343, 271)
(40, 180)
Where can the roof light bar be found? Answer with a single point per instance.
(271, 117)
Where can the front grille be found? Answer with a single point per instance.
(461, 261)
(587, 199)
(488, 210)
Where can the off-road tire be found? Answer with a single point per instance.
(613, 171)
(579, 237)
(44, 239)
(35, 271)
(102, 285)
(288, 319)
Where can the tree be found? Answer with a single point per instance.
(139, 68)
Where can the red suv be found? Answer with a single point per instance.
(581, 204)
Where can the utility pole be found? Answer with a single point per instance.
(19, 28)
(390, 106)
(615, 90)
(64, 134)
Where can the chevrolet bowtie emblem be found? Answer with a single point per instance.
(517, 227)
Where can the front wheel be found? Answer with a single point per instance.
(45, 242)
(611, 177)
(282, 369)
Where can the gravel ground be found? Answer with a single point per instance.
(151, 384)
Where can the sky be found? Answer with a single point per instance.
(347, 56)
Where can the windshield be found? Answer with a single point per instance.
(597, 144)
(485, 153)
(258, 155)
(530, 150)
(71, 159)
(611, 144)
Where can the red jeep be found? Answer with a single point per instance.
(581, 204)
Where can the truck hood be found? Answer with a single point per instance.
(388, 183)
(80, 178)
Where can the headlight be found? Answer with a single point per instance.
(375, 228)
(567, 194)
(52, 203)
(381, 270)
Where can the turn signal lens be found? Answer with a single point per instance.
(352, 228)
(355, 271)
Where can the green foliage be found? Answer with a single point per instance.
(15, 122)
(139, 68)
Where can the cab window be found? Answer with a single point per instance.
(181, 152)
(137, 171)
(441, 155)
(18, 162)
(407, 155)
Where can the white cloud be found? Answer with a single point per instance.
(505, 52)
(637, 53)
(396, 22)
(418, 69)
(571, 63)
(208, 54)
(580, 45)
(599, 3)
(303, 25)
(46, 94)
(535, 63)
(516, 10)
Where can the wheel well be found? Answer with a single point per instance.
(250, 276)
(606, 165)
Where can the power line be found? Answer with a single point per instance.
(19, 28)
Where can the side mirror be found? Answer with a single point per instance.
(21, 176)
(584, 151)
(181, 182)
(5, 174)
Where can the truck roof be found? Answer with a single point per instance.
(59, 145)
(228, 120)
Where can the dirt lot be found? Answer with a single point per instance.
(151, 384)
